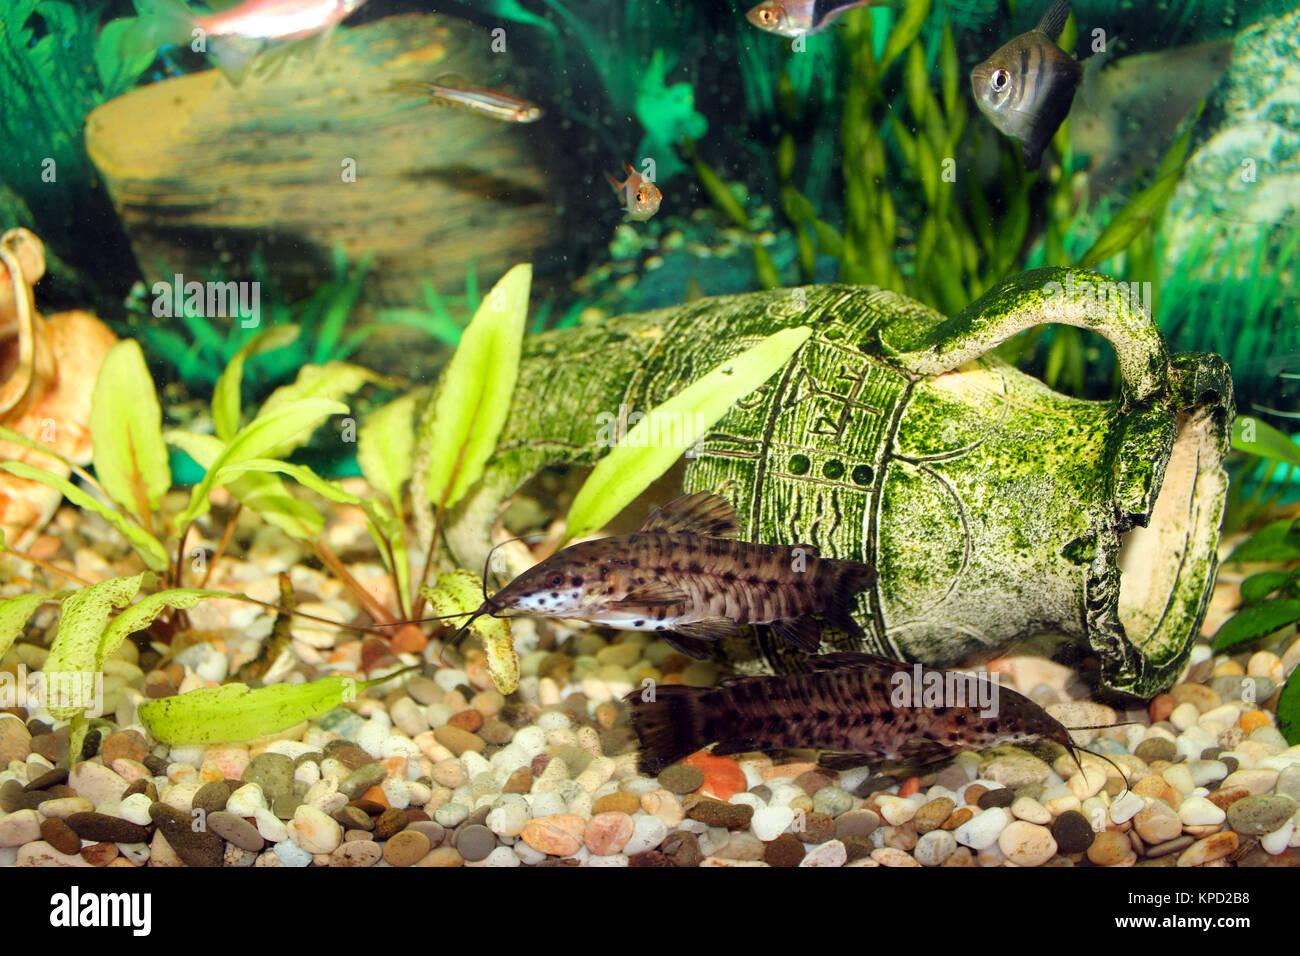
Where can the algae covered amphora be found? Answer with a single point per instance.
(993, 507)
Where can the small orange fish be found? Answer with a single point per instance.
(641, 195)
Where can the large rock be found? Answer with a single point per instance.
(204, 174)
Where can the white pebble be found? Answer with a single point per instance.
(830, 853)
(1030, 810)
(614, 859)
(1205, 772)
(554, 720)
(982, 830)
(896, 810)
(748, 799)
(647, 833)
(135, 809)
(531, 740)
(1197, 811)
(271, 827)
(934, 847)
(547, 804)
(449, 678)
(246, 801)
(770, 822)
(397, 793)
(502, 856)
(1276, 842)
(1184, 716)
(1126, 806)
(1179, 777)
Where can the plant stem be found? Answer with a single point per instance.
(221, 546)
(48, 567)
(373, 607)
(418, 608)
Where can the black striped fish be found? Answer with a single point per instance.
(1027, 87)
(683, 575)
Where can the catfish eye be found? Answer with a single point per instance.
(1000, 80)
(557, 580)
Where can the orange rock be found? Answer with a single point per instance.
(1162, 706)
(377, 795)
(608, 833)
(469, 719)
(409, 639)
(723, 777)
(558, 835)
(1253, 720)
(394, 768)
(910, 786)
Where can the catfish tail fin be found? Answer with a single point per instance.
(850, 579)
(671, 721)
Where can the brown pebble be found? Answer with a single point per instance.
(606, 714)
(1226, 798)
(353, 818)
(368, 806)
(973, 793)
(202, 848)
(128, 744)
(733, 816)
(520, 781)
(406, 848)
(959, 816)
(51, 778)
(350, 755)
(812, 781)
(59, 835)
(459, 740)
(101, 827)
(389, 823)
(469, 720)
(683, 849)
(1110, 847)
(932, 814)
(785, 850)
(416, 815)
(648, 858)
(619, 802)
(496, 731)
(858, 847)
(817, 828)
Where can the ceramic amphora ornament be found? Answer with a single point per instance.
(993, 507)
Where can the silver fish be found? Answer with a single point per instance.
(1026, 88)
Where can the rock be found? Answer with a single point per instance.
(15, 740)
(236, 830)
(193, 848)
(983, 829)
(831, 853)
(733, 816)
(1110, 848)
(19, 827)
(832, 801)
(742, 845)
(620, 802)
(273, 773)
(895, 810)
(100, 827)
(411, 846)
(1156, 748)
(1238, 687)
(314, 831)
(1126, 806)
(100, 854)
(857, 823)
(681, 778)
(1072, 832)
(511, 218)
(1214, 847)
(362, 779)
(64, 807)
(40, 853)
(1288, 782)
(1253, 781)
(784, 851)
(816, 828)
(1259, 814)
(357, 853)
(59, 835)
(888, 856)
(608, 833)
(212, 797)
(999, 797)
(557, 835)
(1157, 823)
(934, 847)
(1027, 844)
(459, 741)
(1031, 811)
(648, 832)
(1016, 771)
(96, 782)
(770, 822)
(124, 744)
(1197, 812)
(1206, 772)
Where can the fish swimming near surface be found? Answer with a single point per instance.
(792, 18)
(492, 103)
(235, 36)
(856, 708)
(1027, 87)
(684, 575)
(640, 195)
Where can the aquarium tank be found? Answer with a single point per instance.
(648, 433)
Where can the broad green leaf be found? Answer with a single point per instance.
(299, 473)
(83, 618)
(1258, 620)
(637, 461)
(1278, 541)
(476, 390)
(1259, 586)
(1257, 437)
(1288, 711)
(143, 613)
(457, 592)
(261, 492)
(334, 381)
(146, 545)
(263, 434)
(126, 428)
(233, 713)
(226, 396)
(384, 445)
(15, 612)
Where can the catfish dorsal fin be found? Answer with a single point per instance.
(1053, 21)
(702, 513)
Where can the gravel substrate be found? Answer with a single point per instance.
(444, 771)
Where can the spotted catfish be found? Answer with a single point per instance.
(684, 574)
(856, 708)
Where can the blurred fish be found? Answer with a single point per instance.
(235, 36)
(683, 575)
(856, 708)
(1026, 87)
(493, 103)
(640, 194)
(792, 18)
